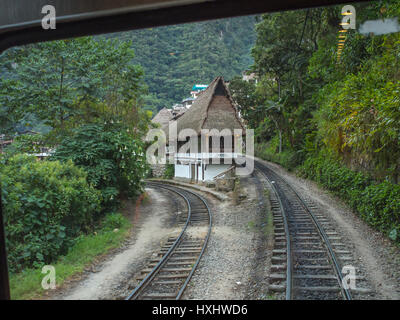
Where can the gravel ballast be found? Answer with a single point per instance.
(229, 266)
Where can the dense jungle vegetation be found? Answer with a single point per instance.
(90, 101)
(335, 121)
(82, 99)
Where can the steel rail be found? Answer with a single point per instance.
(202, 250)
(147, 280)
(289, 278)
(158, 266)
(345, 292)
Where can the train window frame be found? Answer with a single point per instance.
(181, 12)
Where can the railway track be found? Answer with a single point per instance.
(309, 254)
(168, 275)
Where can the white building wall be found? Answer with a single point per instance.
(200, 172)
(182, 171)
(211, 170)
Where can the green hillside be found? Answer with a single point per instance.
(176, 57)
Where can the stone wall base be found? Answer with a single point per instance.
(158, 170)
(225, 184)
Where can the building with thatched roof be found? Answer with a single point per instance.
(163, 117)
(213, 120)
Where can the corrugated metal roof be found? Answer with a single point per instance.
(197, 87)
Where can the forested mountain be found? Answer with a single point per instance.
(176, 57)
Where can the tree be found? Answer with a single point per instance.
(346, 107)
(46, 205)
(113, 159)
(281, 54)
(243, 93)
(52, 80)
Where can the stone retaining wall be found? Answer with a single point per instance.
(158, 170)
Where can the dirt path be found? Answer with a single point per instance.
(154, 224)
(379, 257)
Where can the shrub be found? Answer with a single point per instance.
(46, 204)
(287, 158)
(377, 203)
(169, 172)
(114, 161)
(113, 221)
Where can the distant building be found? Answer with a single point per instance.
(179, 109)
(5, 141)
(196, 89)
(43, 153)
(177, 106)
(247, 76)
(187, 103)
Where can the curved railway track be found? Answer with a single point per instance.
(308, 255)
(168, 276)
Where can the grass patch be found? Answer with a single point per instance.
(251, 225)
(114, 230)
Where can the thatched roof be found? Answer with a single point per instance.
(198, 116)
(163, 117)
